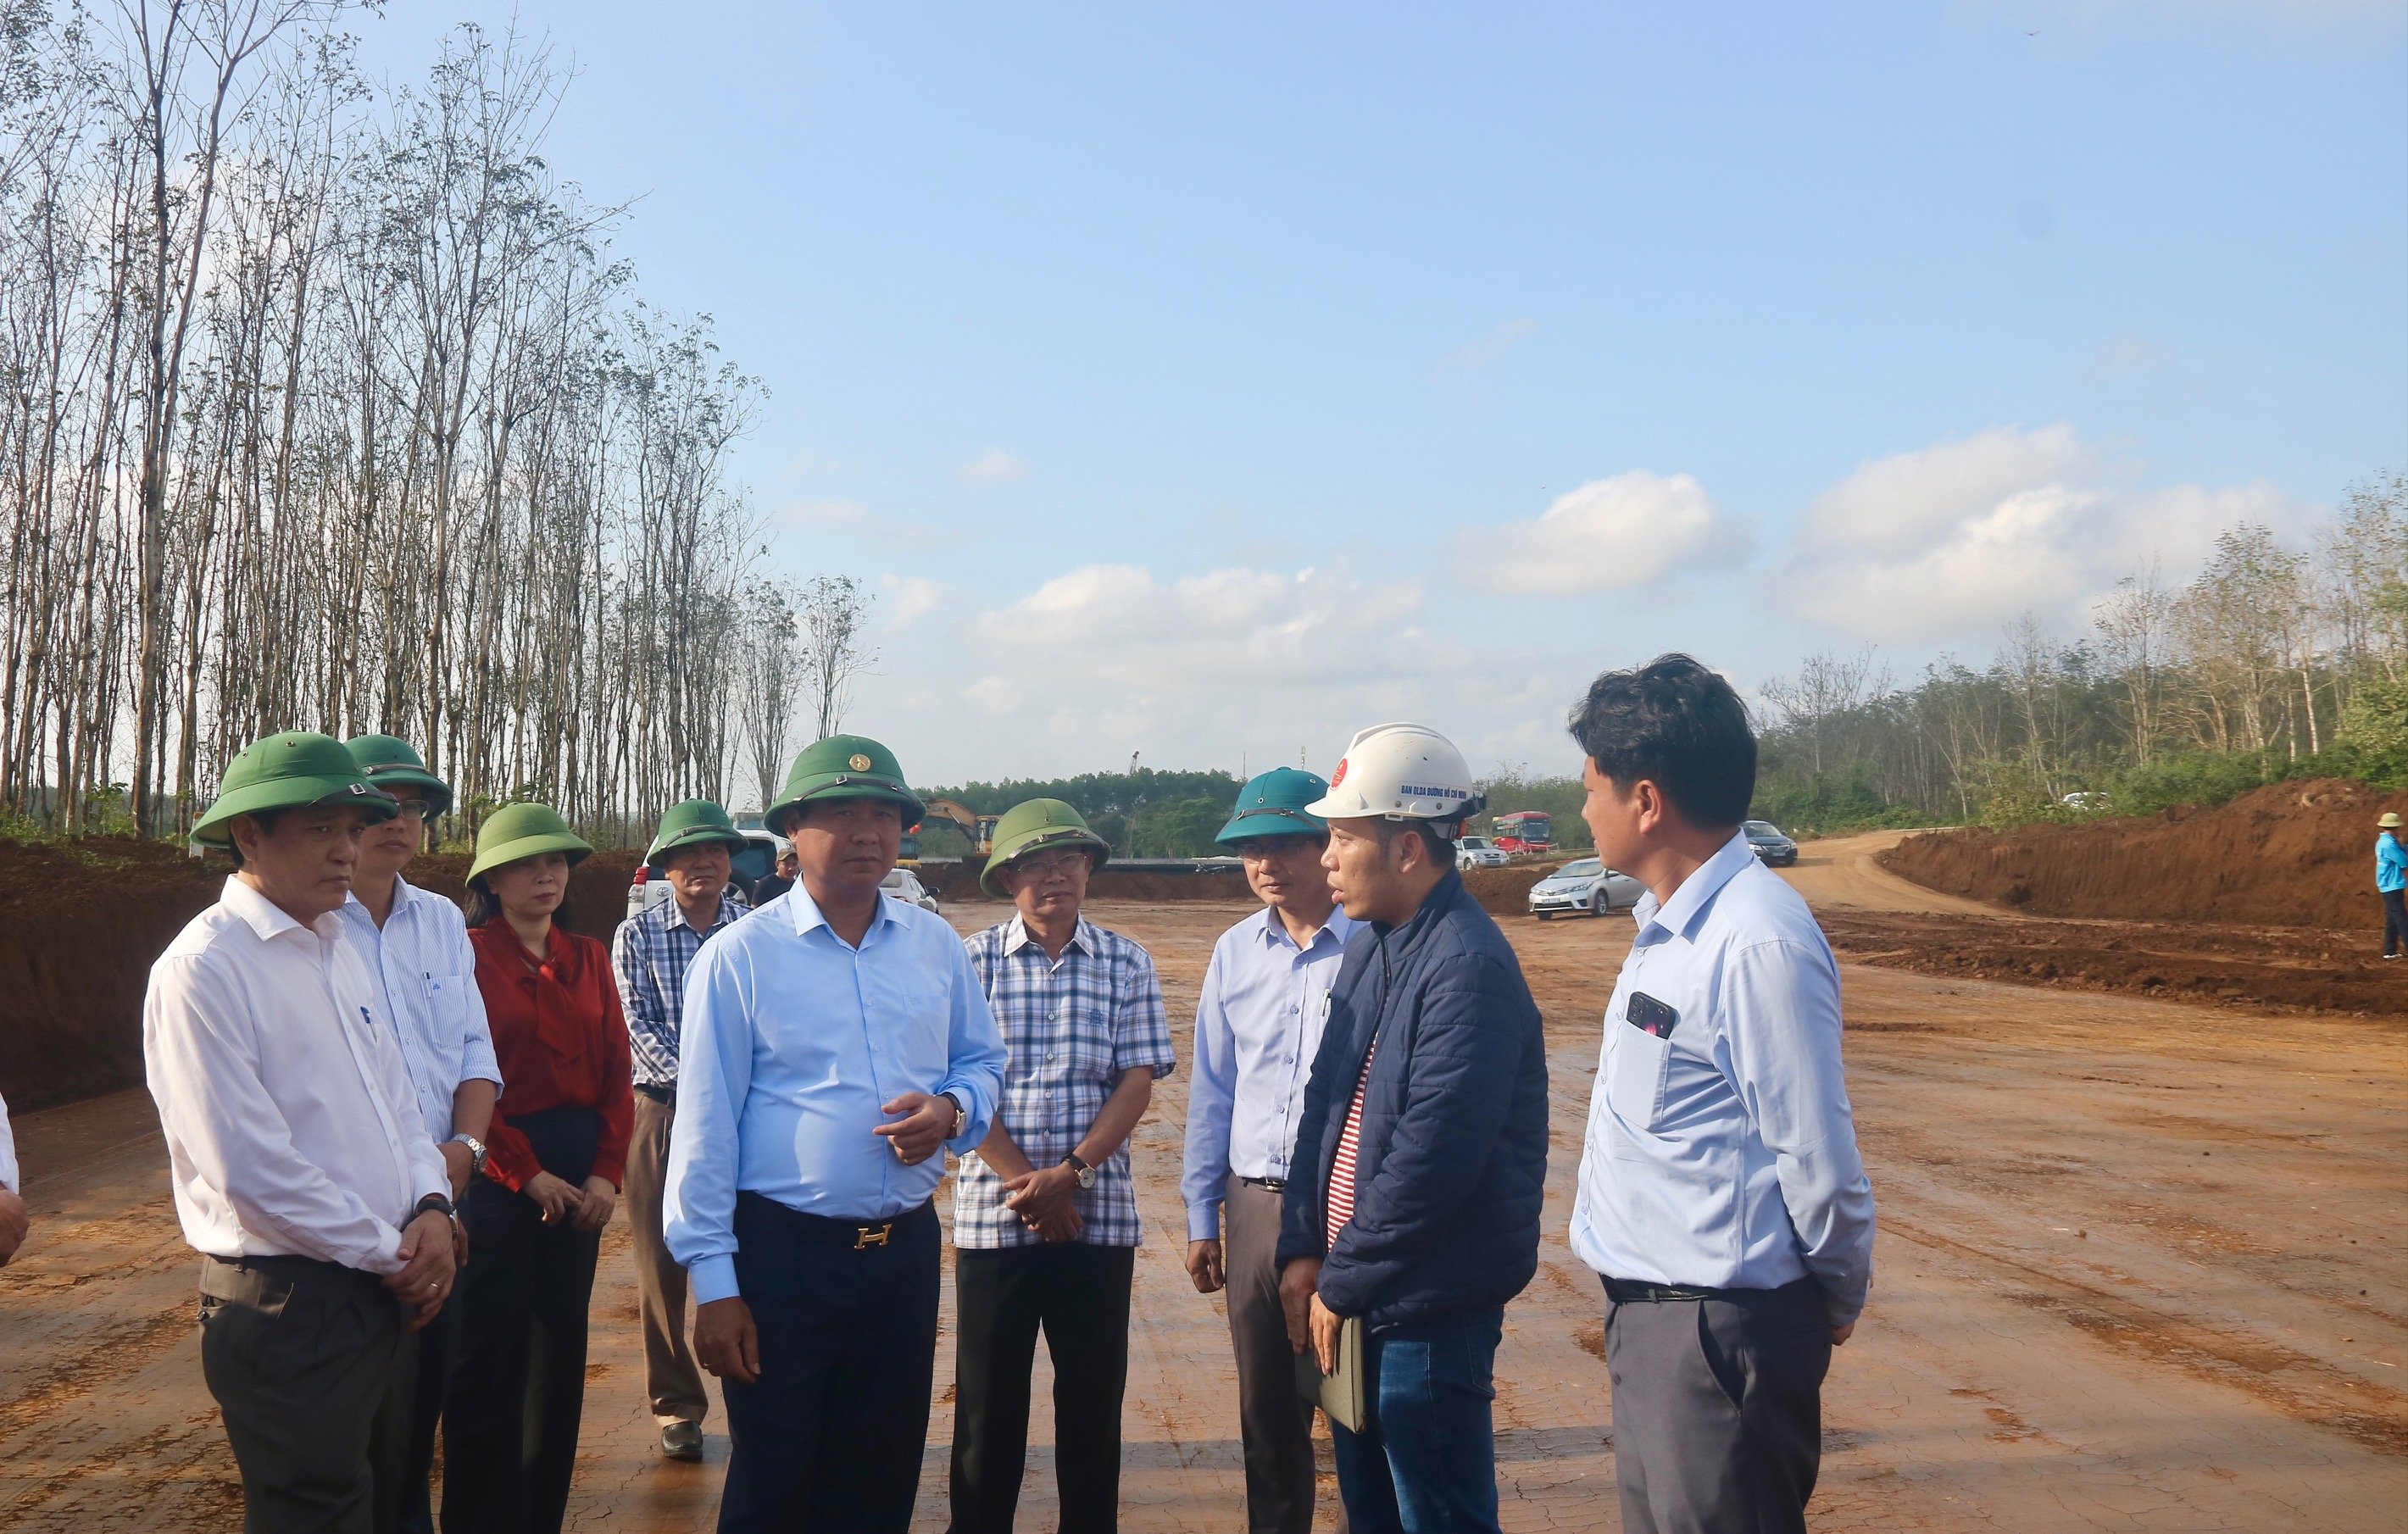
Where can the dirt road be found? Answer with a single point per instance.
(2139, 1270)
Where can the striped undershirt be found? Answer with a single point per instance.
(1342, 1170)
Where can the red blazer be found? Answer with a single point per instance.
(562, 1042)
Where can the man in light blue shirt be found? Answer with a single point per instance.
(2391, 881)
(1722, 1198)
(1259, 1024)
(834, 1044)
(415, 942)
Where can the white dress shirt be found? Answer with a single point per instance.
(429, 975)
(1259, 1024)
(9, 1178)
(1723, 1154)
(291, 1125)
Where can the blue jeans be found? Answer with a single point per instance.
(1426, 1461)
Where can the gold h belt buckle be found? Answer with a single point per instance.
(865, 1236)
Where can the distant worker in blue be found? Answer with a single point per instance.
(1258, 1026)
(1412, 1200)
(2391, 881)
(833, 1045)
(1722, 1199)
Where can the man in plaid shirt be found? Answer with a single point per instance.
(651, 954)
(1045, 1221)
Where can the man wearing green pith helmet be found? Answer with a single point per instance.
(301, 1166)
(834, 1044)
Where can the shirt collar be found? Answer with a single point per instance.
(1337, 928)
(263, 915)
(808, 915)
(1016, 937)
(1680, 913)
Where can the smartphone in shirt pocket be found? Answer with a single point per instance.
(1639, 1059)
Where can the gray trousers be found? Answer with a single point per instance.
(300, 1356)
(672, 1384)
(1718, 1410)
(1275, 1421)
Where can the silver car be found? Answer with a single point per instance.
(904, 885)
(1478, 853)
(1585, 885)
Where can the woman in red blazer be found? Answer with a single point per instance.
(553, 1174)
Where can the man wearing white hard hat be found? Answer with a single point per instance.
(1411, 1214)
(1722, 1200)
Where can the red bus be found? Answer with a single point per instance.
(1525, 831)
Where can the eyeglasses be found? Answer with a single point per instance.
(416, 810)
(1263, 848)
(1046, 865)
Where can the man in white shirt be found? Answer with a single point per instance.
(1722, 1199)
(1258, 1024)
(415, 944)
(12, 1205)
(301, 1166)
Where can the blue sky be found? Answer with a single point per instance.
(1212, 382)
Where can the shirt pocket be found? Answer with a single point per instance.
(447, 1003)
(1087, 1044)
(1635, 1073)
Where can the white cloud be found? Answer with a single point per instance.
(1605, 536)
(913, 595)
(994, 467)
(1948, 541)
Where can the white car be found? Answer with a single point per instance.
(1478, 853)
(1585, 885)
(904, 885)
(746, 867)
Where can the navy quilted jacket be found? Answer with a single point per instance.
(1451, 1166)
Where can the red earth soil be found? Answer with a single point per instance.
(2287, 855)
(1504, 892)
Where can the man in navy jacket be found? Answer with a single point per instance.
(1412, 1201)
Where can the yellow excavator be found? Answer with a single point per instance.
(979, 829)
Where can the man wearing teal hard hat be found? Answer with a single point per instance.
(1045, 1220)
(415, 944)
(833, 1045)
(302, 1170)
(1259, 1024)
(651, 953)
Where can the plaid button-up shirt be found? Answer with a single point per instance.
(1072, 1027)
(651, 954)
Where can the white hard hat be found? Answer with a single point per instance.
(1399, 772)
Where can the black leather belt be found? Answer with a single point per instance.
(1632, 1292)
(666, 1094)
(1269, 1185)
(853, 1234)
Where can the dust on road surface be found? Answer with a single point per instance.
(2138, 1270)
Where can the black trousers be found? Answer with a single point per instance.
(1718, 1408)
(418, 1402)
(300, 1356)
(2395, 920)
(516, 1387)
(829, 1438)
(1079, 1295)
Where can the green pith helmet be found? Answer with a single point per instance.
(1033, 824)
(285, 771)
(693, 823)
(2390, 821)
(844, 766)
(1272, 805)
(521, 830)
(391, 766)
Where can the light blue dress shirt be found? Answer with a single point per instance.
(1258, 1024)
(793, 1042)
(422, 957)
(1724, 1156)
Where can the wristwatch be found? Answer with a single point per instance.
(435, 1203)
(1087, 1173)
(961, 1115)
(476, 1154)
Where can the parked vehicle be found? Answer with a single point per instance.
(1776, 849)
(1584, 884)
(904, 885)
(755, 860)
(1478, 853)
(1526, 832)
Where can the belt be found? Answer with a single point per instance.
(658, 1093)
(851, 1235)
(1632, 1292)
(1269, 1185)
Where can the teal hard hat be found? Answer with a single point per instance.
(844, 766)
(690, 823)
(524, 830)
(391, 764)
(1272, 805)
(287, 771)
(1033, 824)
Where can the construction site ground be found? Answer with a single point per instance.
(2139, 1269)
